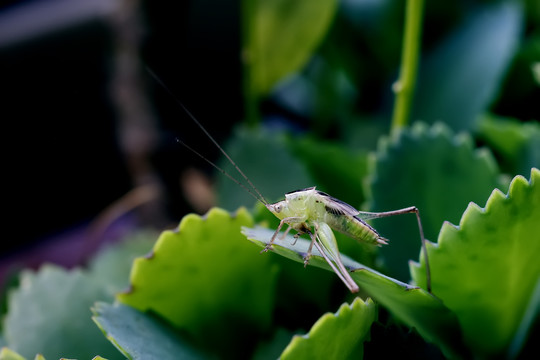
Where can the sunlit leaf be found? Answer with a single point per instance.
(487, 271)
(205, 279)
(8, 354)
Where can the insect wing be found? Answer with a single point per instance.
(336, 206)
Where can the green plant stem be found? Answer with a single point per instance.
(404, 87)
(249, 57)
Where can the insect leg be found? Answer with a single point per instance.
(408, 210)
(329, 245)
(285, 234)
(313, 236)
(288, 220)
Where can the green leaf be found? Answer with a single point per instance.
(516, 143)
(339, 172)
(335, 170)
(535, 68)
(264, 158)
(487, 269)
(414, 306)
(282, 36)
(432, 169)
(459, 79)
(112, 265)
(336, 336)
(8, 354)
(205, 279)
(140, 336)
(297, 286)
(272, 349)
(50, 314)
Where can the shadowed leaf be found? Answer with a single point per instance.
(50, 314)
(140, 336)
(283, 36)
(459, 79)
(434, 170)
(414, 306)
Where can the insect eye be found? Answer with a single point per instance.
(278, 208)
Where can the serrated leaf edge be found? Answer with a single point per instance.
(96, 312)
(496, 196)
(344, 309)
(417, 131)
(185, 221)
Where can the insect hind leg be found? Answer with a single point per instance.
(408, 210)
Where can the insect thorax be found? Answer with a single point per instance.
(306, 202)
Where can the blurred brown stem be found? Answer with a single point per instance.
(137, 126)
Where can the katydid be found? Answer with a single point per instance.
(307, 209)
(313, 212)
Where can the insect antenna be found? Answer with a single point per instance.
(261, 199)
(258, 195)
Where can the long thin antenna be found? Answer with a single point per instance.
(221, 170)
(260, 197)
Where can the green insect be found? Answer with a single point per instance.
(313, 212)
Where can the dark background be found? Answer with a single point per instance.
(64, 160)
(85, 122)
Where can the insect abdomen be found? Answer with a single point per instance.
(355, 228)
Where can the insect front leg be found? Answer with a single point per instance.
(288, 220)
(313, 236)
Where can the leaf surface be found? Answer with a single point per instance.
(50, 314)
(140, 336)
(487, 271)
(335, 336)
(413, 305)
(205, 279)
(459, 79)
(517, 144)
(282, 37)
(8, 354)
(112, 265)
(430, 168)
(264, 157)
(335, 170)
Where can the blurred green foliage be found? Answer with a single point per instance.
(205, 292)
